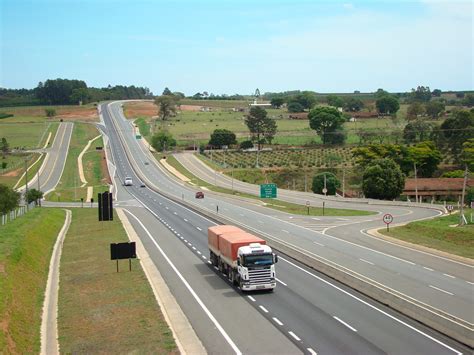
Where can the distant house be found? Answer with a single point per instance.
(261, 104)
(205, 109)
(364, 114)
(435, 189)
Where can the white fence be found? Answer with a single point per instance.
(17, 212)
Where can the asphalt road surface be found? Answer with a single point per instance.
(307, 313)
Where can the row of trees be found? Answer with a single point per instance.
(69, 92)
(10, 199)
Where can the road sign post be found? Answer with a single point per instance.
(387, 219)
(450, 208)
(307, 206)
(268, 191)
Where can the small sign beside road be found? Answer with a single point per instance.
(450, 208)
(268, 191)
(138, 136)
(387, 219)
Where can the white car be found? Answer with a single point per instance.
(128, 181)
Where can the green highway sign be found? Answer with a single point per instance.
(138, 136)
(268, 191)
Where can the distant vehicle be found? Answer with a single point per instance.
(142, 185)
(147, 163)
(199, 194)
(243, 257)
(128, 181)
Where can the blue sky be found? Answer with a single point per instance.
(227, 46)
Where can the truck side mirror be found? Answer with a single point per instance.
(238, 262)
(275, 258)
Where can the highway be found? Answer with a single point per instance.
(53, 165)
(308, 312)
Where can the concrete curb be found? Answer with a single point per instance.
(183, 333)
(79, 161)
(49, 319)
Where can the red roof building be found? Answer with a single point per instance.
(435, 188)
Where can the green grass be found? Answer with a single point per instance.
(274, 204)
(16, 162)
(100, 310)
(25, 250)
(94, 167)
(69, 188)
(437, 234)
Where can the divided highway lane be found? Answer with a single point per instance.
(442, 283)
(298, 314)
(53, 166)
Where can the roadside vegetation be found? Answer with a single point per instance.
(26, 245)
(69, 187)
(113, 306)
(274, 204)
(439, 233)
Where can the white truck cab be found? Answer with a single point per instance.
(256, 266)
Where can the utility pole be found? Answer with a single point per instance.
(461, 214)
(305, 181)
(325, 189)
(343, 182)
(416, 184)
(232, 179)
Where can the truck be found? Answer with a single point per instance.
(243, 257)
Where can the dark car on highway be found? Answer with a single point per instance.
(199, 194)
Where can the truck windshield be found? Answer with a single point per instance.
(258, 260)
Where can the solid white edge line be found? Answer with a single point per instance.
(373, 307)
(277, 321)
(294, 335)
(190, 289)
(347, 325)
(441, 290)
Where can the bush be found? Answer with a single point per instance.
(246, 145)
(5, 115)
(453, 174)
(50, 112)
(332, 183)
(383, 180)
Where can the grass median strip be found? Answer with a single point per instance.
(439, 233)
(100, 310)
(26, 245)
(275, 204)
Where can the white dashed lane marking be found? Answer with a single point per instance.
(263, 309)
(277, 321)
(294, 335)
(441, 290)
(347, 325)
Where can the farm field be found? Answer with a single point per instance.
(37, 113)
(195, 127)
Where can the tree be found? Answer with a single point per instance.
(295, 107)
(222, 137)
(414, 110)
(467, 155)
(179, 95)
(58, 91)
(335, 101)
(434, 108)
(50, 112)
(332, 183)
(381, 93)
(166, 107)
(387, 104)
(167, 92)
(469, 198)
(327, 122)
(246, 145)
(383, 180)
(9, 199)
(426, 157)
(162, 141)
(307, 99)
(277, 102)
(456, 130)
(353, 105)
(34, 195)
(468, 100)
(417, 131)
(4, 146)
(436, 92)
(260, 125)
(80, 95)
(421, 94)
